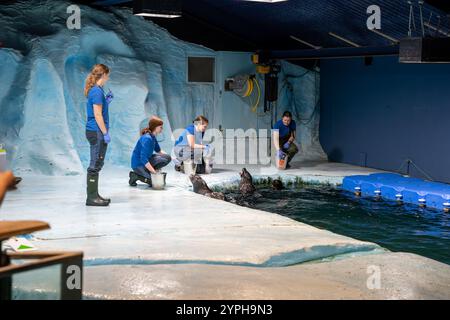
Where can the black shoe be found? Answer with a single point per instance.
(92, 193)
(133, 179)
(16, 181)
(180, 168)
(288, 166)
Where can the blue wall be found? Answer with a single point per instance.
(382, 114)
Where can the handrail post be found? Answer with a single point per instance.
(5, 282)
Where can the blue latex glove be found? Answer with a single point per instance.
(107, 138)
(109, 96)
(286, 145)
(281, 154)
(207, 149)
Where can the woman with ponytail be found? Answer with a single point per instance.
(147, 156)
(97, 129)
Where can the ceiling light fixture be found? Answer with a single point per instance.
(158, 8)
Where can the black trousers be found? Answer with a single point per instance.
(157, 161)
(98, 151)
(291, 151)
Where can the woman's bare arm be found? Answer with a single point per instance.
(192, 144)
(292, 138)
(276, 139)
(150, 167)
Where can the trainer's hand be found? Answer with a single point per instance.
(109, 97)
(281, 154)
(287, 145)
(107, 138)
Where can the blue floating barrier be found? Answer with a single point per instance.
(392, 186)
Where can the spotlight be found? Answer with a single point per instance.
(422, 202)
(446, 207)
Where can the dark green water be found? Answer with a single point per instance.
(405, 228)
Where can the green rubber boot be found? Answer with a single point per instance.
(92, 192)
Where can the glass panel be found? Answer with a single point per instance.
(38, 284)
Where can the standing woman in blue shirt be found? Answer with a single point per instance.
(147, 157)
(97, 129)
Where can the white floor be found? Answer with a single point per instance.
(158, 229)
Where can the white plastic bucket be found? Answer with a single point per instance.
(208, 166)
(189, 167)
(281, 162)
(158, 180)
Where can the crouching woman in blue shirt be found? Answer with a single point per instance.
(189, 140)
(284, 137)
(147, 156)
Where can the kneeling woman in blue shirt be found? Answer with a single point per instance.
(147, 156)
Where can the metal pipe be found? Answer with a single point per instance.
(392, 39)
(305, 42)
(344, 40)
(436, 29)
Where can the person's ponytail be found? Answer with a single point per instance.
(145, 131)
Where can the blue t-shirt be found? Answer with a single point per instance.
(182, 139)
(143, 150)
(285, 130)
(96, 96)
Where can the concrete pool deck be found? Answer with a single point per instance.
(175, 244)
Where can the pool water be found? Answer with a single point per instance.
(405, 228)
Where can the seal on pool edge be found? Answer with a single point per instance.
(246, 187)
(202, 188)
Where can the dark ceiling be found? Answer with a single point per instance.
(248, 26)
